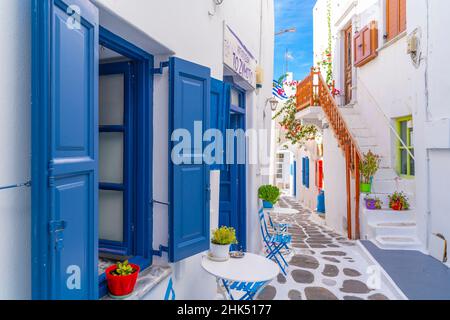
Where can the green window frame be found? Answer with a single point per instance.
(405, 163)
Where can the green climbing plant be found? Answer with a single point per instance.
(295, 132)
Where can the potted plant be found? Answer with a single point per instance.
(368, 167)
(121, 279)
(398, 201)
(269, 195)
(222, 239)
(373, 203)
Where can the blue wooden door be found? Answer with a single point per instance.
(65, 148)
(232, 207)
(189, 218)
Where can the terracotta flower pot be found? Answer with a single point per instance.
(397, 206)
(121, 286)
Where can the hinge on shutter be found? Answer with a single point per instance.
(160, 252)
(162, 65)
(56, 229)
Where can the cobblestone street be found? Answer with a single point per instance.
(323, 266)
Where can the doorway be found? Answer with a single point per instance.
(232, 206)
(348, 65)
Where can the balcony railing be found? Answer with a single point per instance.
(313, 91)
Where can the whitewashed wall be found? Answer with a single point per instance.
(399, 89)
(334, 183)
(184, 28)
(15, 148)
(431, 117)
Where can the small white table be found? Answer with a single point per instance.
(287, 211)
(251, 268)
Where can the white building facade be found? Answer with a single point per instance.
(103, 184)
(389, 67)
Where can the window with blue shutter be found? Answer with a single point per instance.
(304, 171)
(64, 151)
(307, 172)
(189, 216)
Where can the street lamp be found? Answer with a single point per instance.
(290, 30)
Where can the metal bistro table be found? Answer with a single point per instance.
(250, 269)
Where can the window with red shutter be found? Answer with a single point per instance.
(395, 18)
(366, 44)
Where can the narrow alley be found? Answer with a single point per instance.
(324, 265)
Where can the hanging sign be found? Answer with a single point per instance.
(238, 58)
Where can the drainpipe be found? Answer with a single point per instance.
(427, 119)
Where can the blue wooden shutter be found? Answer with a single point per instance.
(64, 151)
(303, 171)
(189, 219)
(217, 114)
(307, 172)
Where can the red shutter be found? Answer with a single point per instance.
(366, 44)
(393, 16)
(402, 16)
(358, 45)
(366, 36)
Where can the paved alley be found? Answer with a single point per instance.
(323, 266)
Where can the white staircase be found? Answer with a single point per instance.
(386, 228)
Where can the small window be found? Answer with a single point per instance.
(395, 18)
(406, 165)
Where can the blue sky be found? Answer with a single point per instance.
(294, 13)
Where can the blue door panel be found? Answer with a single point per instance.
(189, 220)
(65, 148)
(76, 234)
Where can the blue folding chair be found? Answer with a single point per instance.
(279, 227)
(170, 292)
(274, 243)
(250, 289)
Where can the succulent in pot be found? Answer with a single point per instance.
(368, 168)
(269, 195)
(398, 201)
(222, 239)
(122, 278)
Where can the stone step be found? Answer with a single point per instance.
(361, 132)
(406, 228)
(366, 141)
(386, 174)
(391, 242)
(387, 215)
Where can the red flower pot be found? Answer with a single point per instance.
(397, 206)
(121, 286)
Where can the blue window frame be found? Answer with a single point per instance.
(140, 137)
(126, 131)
